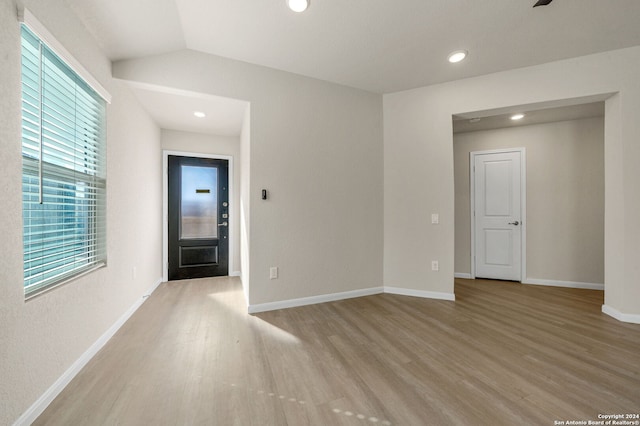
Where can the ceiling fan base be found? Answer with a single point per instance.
(542, 3)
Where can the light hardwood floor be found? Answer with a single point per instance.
(502, 354)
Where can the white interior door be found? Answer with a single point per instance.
(498, 215)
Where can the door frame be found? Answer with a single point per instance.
(523, 206)
(165, 206)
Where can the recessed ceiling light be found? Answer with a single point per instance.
(298, 5)
(475, 120)
(457, 56)
(517, 116)
(199, 114)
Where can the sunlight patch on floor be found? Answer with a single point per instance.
(272, 395)
(371, 419)
(271, 331)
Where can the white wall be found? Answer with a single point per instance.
(245, 201)
(317, 148)
(565, 196)
(199, 143)
(41, 338)
(419, 176)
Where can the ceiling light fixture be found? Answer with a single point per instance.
(517, 117)
(199, 114)
(298, 5)
(457, 56)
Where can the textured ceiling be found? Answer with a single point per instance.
(132, 28)
(377, 45)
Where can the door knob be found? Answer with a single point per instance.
(225, 223)
(516, 223)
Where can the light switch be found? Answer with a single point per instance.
(435, 218)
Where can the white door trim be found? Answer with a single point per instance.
(165, 206)
(523, 205)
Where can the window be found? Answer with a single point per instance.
(63, 169)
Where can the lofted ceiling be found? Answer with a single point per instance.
(380, 46)
(377, 45)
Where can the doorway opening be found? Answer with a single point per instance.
(563, 233)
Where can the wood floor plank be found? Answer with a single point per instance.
(503, 353)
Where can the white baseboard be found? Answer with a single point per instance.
(151, 290)
(464, 275)
(420, 293)
(569, 284)
(235, 274)
(54, 390)
(612, 312)
(293, 303)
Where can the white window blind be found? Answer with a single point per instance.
(63, 174)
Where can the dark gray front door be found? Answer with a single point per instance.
(198, 217)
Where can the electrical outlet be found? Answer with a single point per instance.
(435, 266)
(273, 273)
(435, 218)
